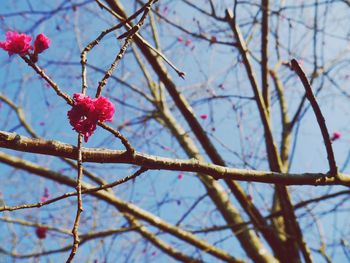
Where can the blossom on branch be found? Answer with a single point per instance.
(45, 196)
(104, 109)
(86, 112)
(16, 43)
(336, 135)
(41, 43)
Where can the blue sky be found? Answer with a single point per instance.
(208, 70)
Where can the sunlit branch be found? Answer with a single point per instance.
(21, 143)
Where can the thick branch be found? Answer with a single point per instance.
(20, 143)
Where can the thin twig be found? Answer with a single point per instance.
(333, 169)
(129, 36)
(84, 238)
(95, 42)
(48, 80)
(129, 148)
(144, 41)
(75, 229)
(76, 239)
(70, 194)
(179, 72)
(124, 21)
(265, 54)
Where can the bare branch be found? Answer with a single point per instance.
(20, 143)
(333, 169)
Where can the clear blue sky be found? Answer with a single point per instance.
(206, 67)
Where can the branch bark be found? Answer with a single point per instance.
(21, 143)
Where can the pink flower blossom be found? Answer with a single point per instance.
(104, 109)
(180, 39)
(336, 135)
(45, 196)
(16, 43)
(180, 176)
(41, 43)
(86, 112)
(188, 42)
(203, 116)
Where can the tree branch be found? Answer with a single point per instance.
(20, 143)
(333, 169)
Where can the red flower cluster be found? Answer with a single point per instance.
(17, 43)
(86, 112)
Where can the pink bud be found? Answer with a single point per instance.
(43, 199)
(166, 148)
(45, 196)
(188, 42)
(203, 116)
(336, 135)
(41, 43)
(165, 10)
